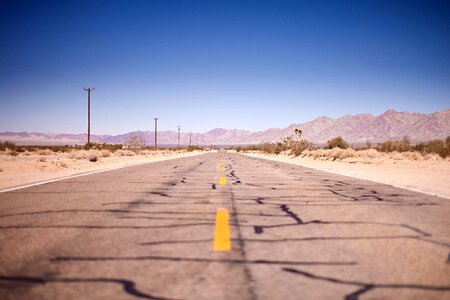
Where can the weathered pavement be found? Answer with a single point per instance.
(147, 232)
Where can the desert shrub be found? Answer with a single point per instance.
(402, 145)
(124, 153)
(370, 154)
(297, 147)
(145, 152)
(412, 155)
(93, 156)
(44, 152)
(271, 148)
(193, 148)
(7, 145)
(434, 146)
(135, 142)
(337, 142)
(78, 154)
(41, 159)
(11, 152)
(395, 155)
(106, 153)
(433, 157)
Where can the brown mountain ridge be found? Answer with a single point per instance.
(353, 128)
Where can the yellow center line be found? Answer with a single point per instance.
(222, 180)
(222, 241)
(221, 169)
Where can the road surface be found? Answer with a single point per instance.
(150, 232)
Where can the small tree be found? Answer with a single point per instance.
(135, 142)
(336, 142)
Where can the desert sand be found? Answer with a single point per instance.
(34, 167)
(426, 176)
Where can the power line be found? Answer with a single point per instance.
(37, 71)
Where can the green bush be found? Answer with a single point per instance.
(336, 142)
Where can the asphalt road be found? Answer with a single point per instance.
(147, 232)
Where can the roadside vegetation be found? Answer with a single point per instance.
(338, 149)
(93, 152)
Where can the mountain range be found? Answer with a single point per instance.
(353, 128)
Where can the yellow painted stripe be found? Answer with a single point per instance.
(221, 169)
(221, 162)
(222, 180)
(222, 241)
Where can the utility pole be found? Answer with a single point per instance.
(156, 133)
(89, 114)
(179, 136)
(190, 139)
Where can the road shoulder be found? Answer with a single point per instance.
(419, 176)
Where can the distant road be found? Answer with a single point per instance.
(149, 232)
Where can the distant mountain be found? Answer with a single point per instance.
(353, 128)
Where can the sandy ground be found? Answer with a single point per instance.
(431, 177)
(31, 167)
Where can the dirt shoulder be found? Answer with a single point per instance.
(32, 167)
(431, 177)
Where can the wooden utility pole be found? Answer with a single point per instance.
(156, 133)
(179, 136)
(89, 114)
(190, 139)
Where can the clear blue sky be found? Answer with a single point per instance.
(206, 64)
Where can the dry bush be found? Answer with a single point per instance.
(11, 152)
(297, 147)
(124, 153)
(145, 152)
(395, 155)
(135, 142)
(344, 153)
(78, 154)
(94, 155)
(7, 145)
(395, 146)
(91, 155)
(412, 155)
(44, 152)
(368, 154)
(433, 157)
(106, 153)
(317, 154)
(42, 159)
(336, 142)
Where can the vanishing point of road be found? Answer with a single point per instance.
(222, 226)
